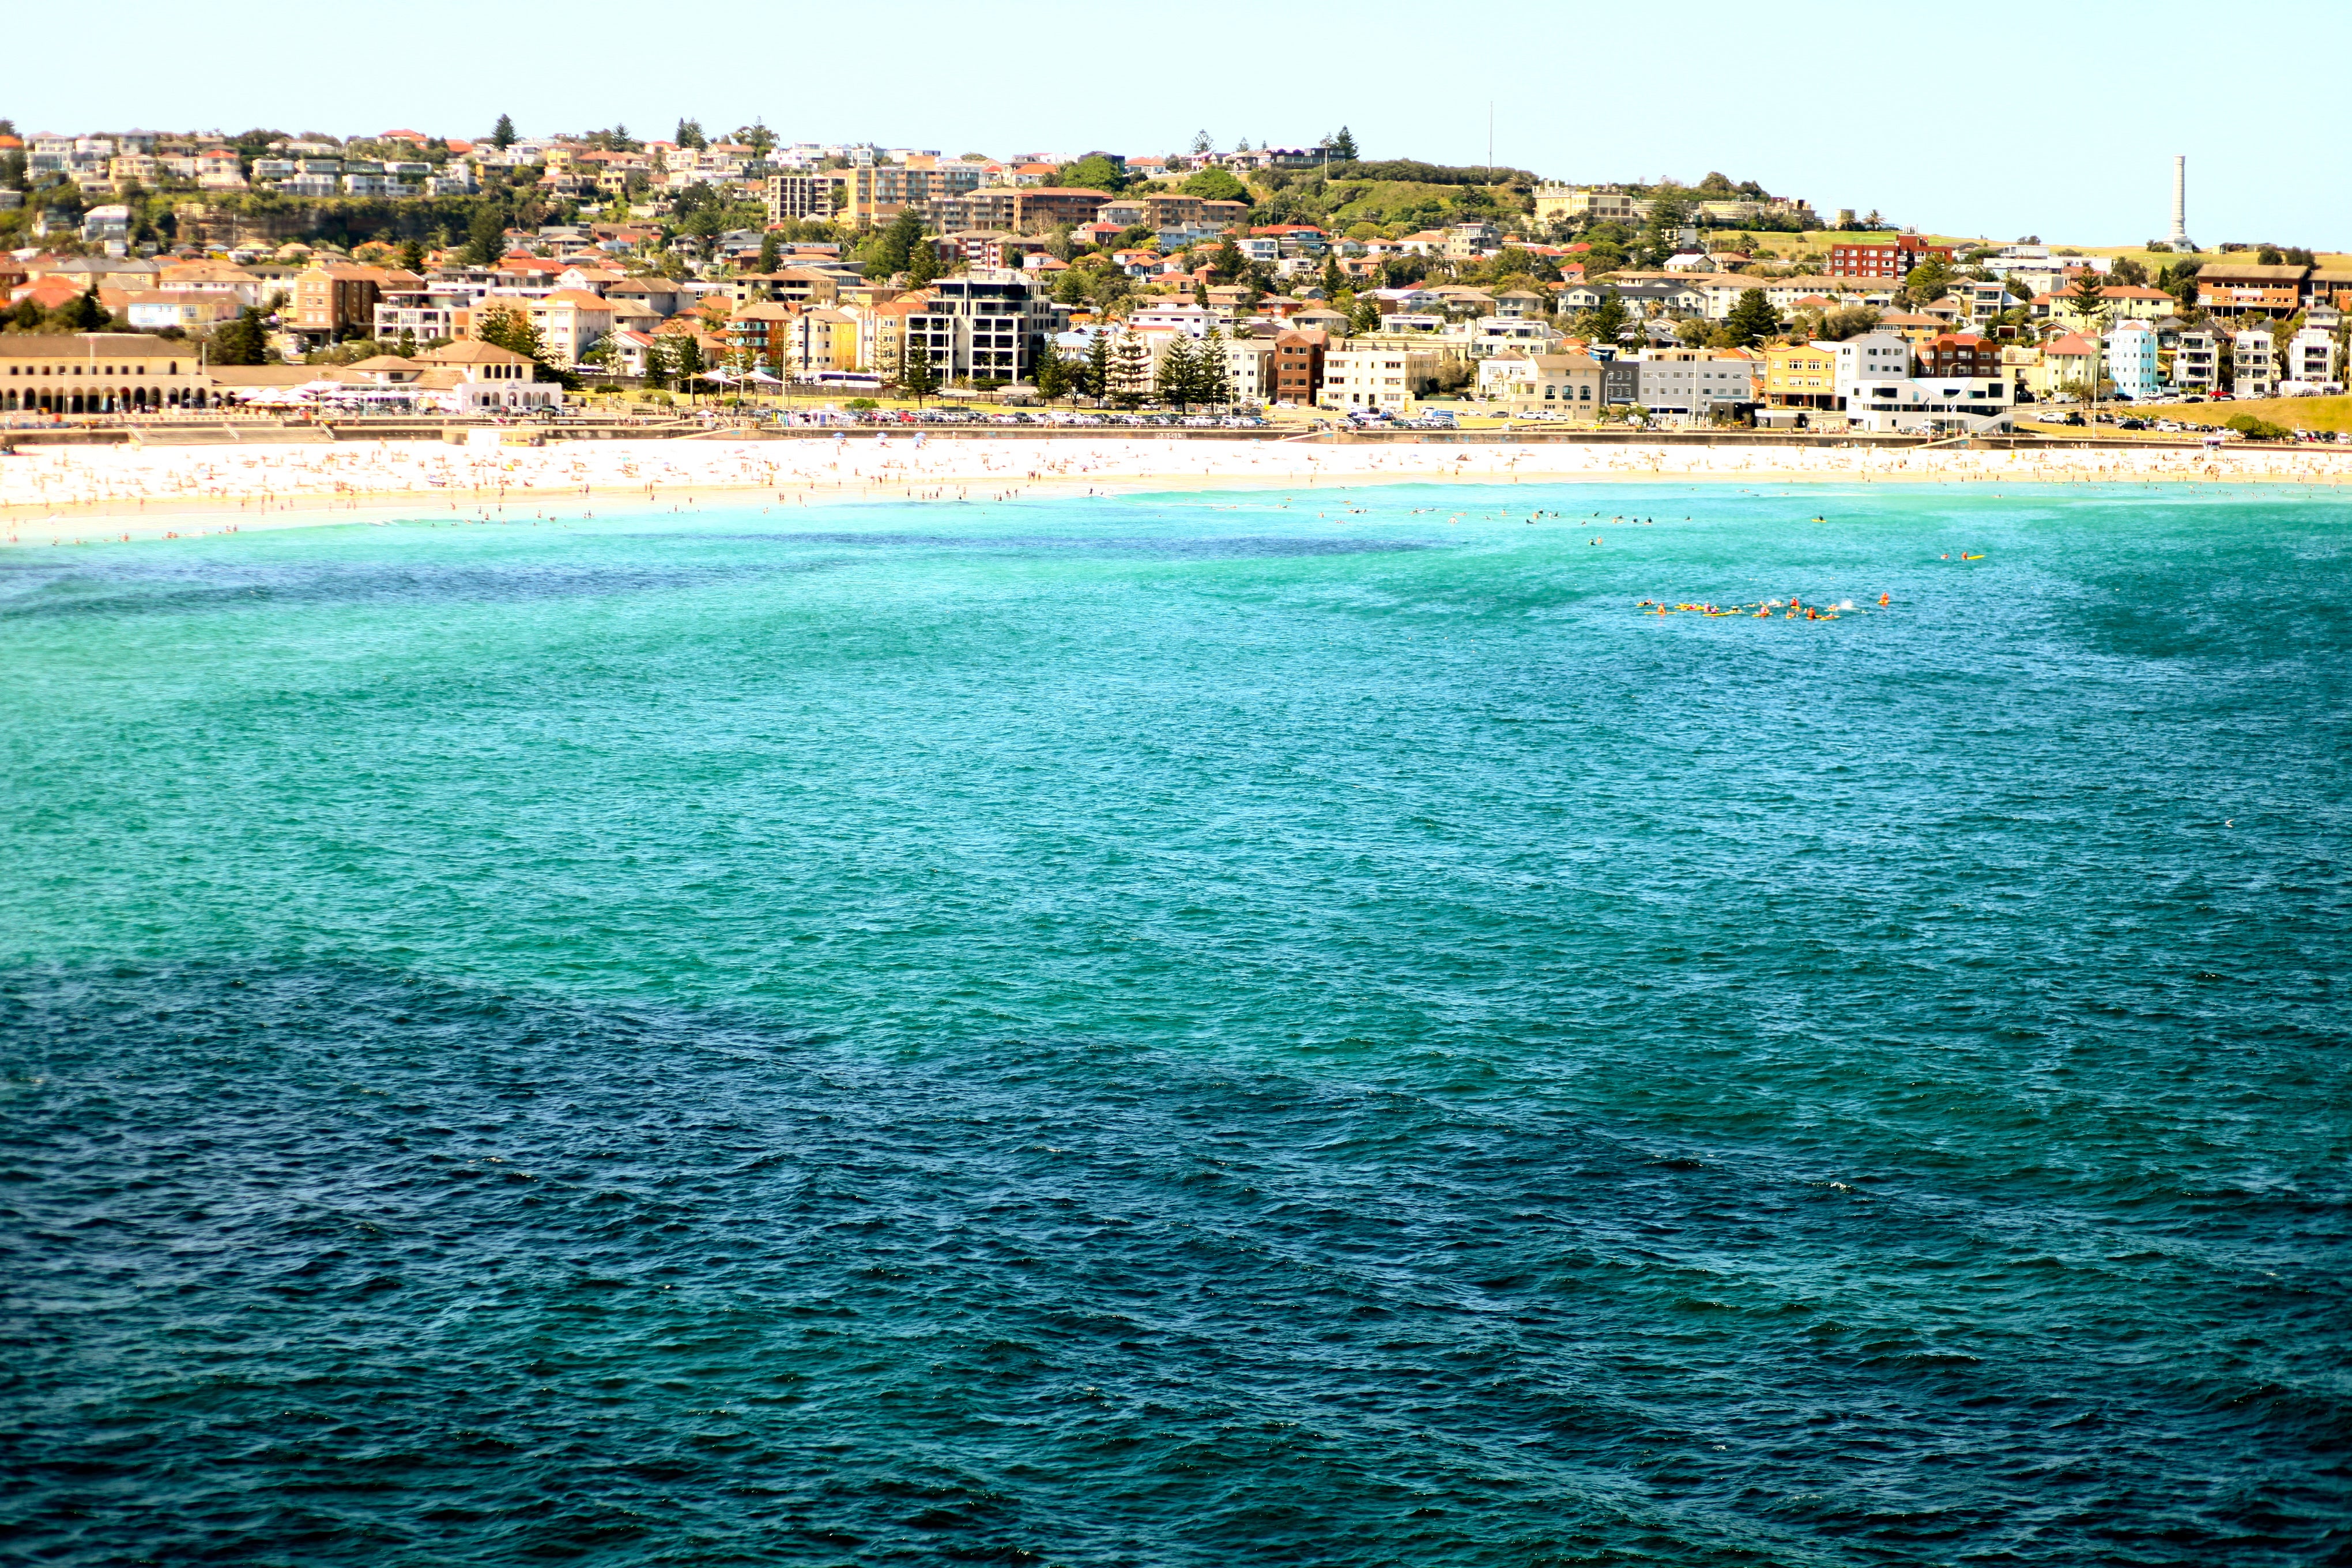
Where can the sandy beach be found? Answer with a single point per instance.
(51, 496)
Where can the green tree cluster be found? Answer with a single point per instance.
(1092, 173)
(1054, 376)
(243, 340)
(1752, 319)
(1195, 371)
(1216, 186)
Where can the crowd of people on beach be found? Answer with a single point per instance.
(58, 493)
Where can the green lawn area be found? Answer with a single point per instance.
(2295, 413)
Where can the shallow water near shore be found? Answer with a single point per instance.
(1189, 1029)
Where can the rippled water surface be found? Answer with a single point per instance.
(1185, 1030)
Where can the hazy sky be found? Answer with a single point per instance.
(1997, 120)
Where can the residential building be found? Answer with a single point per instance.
(1490, 335)
(1801, 376)
(2228, 292)
(2117, 301)
(799, 196)
(211, 277)
(1464, 241)
(2197, 362)
(1882, 258)
(985, 326)
(872, 195)
(105, 223)
(1361, 378)
(1641, 296)
(331, 301)
(2311, 357)
(1562, 385)
(790, 285)
(189, 310)
(2132, 361)
(1250, 368)
(1958, 353)
(2071, 367)
(1694, 382)
(570, 322)
(1587, 204)
(2253, 362)
(763, 334)
(1022, 208)
(1869, 359)
(1298, 367)
(823, 339)
(1877, 390)
(662, 296)
(1498, 374)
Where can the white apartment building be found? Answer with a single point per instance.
(1249, 369)
(2311, 357)
(1690, 383)
(2197, 362)
(2253, 361)
(985, 325)
(1367, 378)
(1878, 392)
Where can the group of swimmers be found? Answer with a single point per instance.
(1789, 609)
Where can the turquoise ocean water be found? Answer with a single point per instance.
(1185, 1029)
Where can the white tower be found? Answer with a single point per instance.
(2179, 236)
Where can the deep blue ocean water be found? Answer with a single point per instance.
(1185, 1030)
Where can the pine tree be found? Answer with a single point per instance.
(922, 263)
(1343, 146)
(2088, 299)
(657, 362)
(772, 253)
(897, 243)
(1333, 279)
(1610, 319)
(1178, 372)
(685, 361)
(502, 135)
(1052, 374)
(1751, 319)
(84, 314)
(486, 233)
(1214, 385)
(917, 377)
(1227, 264)
(1130, 371)
(244, 340)
(689, 135)
(408, 343)
(1099, 375)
